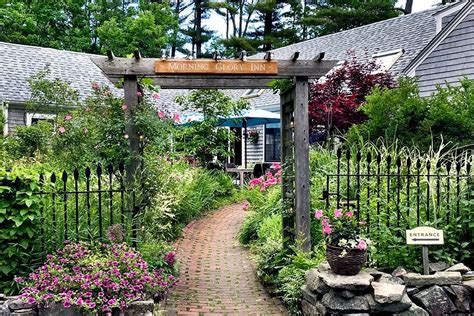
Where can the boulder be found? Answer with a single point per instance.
(19, 304)
(468, 276)
(23, 312)
(388, 278)
(469, 285)
(399, 272)
(339, 304)
(375, 273)
(358, 282)
(140, 308)
(459, 267)
(346, 294)
(309, 309)
(460, 297)
(324, 266)
(314, 282)
(308, 295)
(435, 300)
(395, 307)
(388, 292)
(414, 310)
(438, 266)
(412, 290)
(439, 278)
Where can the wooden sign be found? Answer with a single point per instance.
(425, 235)
(219, 67)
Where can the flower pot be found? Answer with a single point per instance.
(349, 264)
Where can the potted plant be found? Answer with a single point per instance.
(253, 136)
(346, 247)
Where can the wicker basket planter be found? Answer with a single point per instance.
(349, 264)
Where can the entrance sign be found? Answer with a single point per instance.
(210, 66)
(425, 235)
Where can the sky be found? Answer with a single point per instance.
(217, 23)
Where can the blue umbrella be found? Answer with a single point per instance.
(247, 118)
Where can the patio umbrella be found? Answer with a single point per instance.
(248, 118)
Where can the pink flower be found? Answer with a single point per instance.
(155, 95)
(31, 300)
(139, 94)
(95, 86)
(61, 130)
(68, 117)
(125, 136)
(337, 213)
(124, 107)
(327, 230)
(176, 118)
(349, 214)
(362, 245)
(276, 166)
(318, 214)
(161, 114)
(67, 304)
(246, 206)
(79, 301)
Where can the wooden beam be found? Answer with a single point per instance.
(131, 100)
(301, 134)
(287, 69)
(287, 154)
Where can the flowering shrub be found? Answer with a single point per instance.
(343, 231)
(253, 136)
(95, 278)
(268, 179)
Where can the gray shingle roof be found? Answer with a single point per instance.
(410, 32)
(19, 62)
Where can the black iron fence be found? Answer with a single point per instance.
(83, 204)
(398, 192)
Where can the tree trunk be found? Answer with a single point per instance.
(175, 32)
(198, 27)
(408, 6)
(267, 30)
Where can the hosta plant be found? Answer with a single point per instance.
(97, 278)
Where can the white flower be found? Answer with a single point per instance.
(343, 253)
(342, 242)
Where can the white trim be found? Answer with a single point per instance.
(444, 13)
(5, 115)
(264, 142)
(247, 94)
(31, 116)
(439, 38)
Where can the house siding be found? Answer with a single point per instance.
(255, 151)
(16, 117)
(451, 61)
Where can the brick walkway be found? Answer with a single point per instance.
(217, 277)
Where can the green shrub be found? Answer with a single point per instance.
(28, 141)
(401, 114)
(20, 214)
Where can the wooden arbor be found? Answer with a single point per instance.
(239, 74)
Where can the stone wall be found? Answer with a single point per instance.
(13, 306)
(400, 293)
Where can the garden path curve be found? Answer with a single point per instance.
(217, 276)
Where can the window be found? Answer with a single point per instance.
(387, 59)
(272, 142)
(252, 93)
(33, 118)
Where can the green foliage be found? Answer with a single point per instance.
(401, 114)
(88, 26)
(29, 141)
(179, 194)
(202, 139)
(20, 206)
(337, 15)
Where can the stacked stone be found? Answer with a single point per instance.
(400, 293)
(14, 306)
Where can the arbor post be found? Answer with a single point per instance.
(301, 140)
(131, 100)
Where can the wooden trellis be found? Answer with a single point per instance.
(238, 74)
